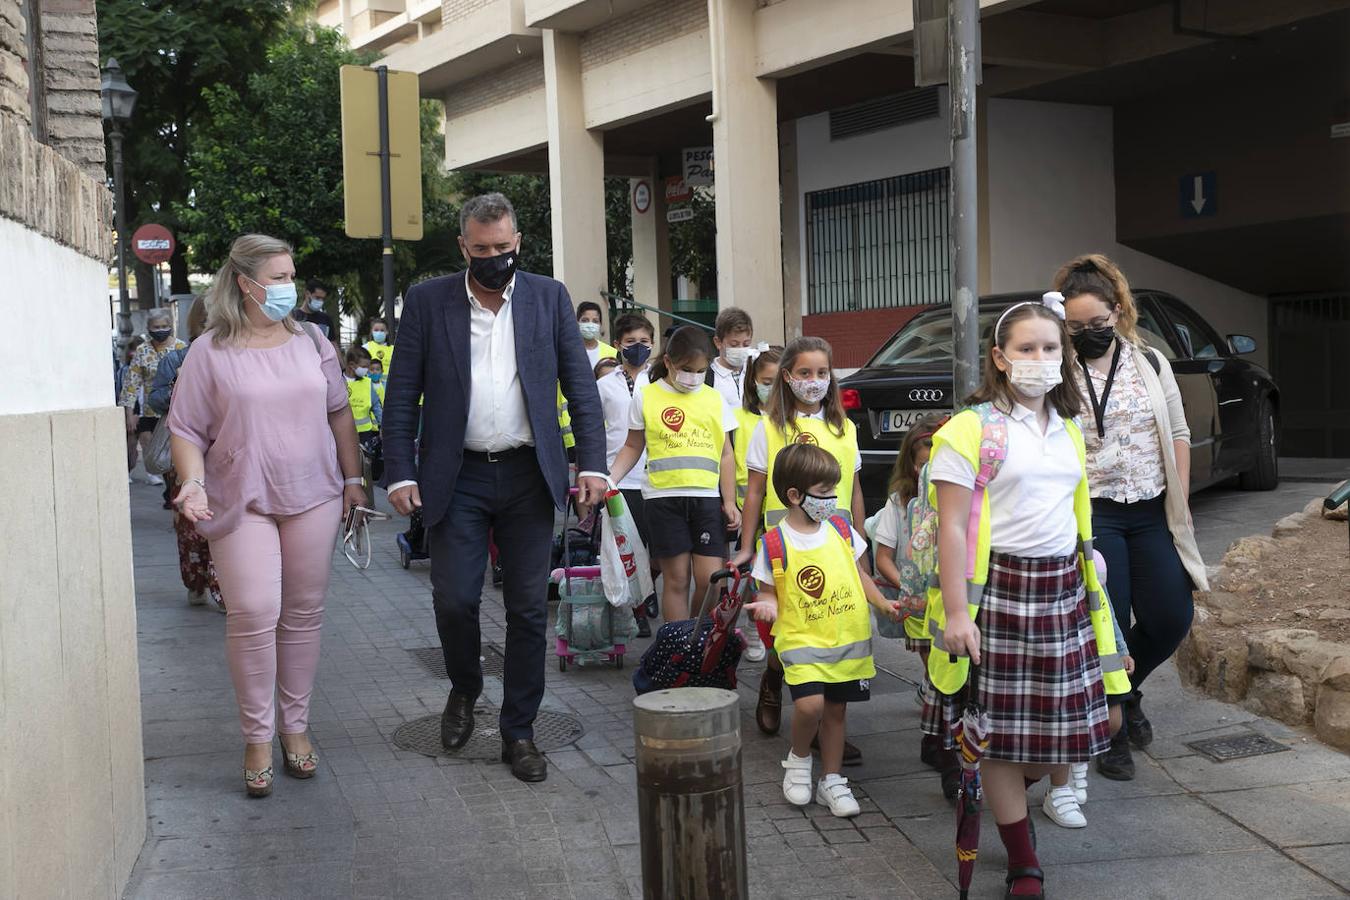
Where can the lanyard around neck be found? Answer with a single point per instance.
(1099, 409)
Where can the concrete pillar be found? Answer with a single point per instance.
(745, 150)
(576, 174)
(651, 246)
(793, 303)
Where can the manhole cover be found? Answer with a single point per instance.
(433, 660)
(551, 731)
(1236, 746)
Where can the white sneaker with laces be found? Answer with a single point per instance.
(754, 645)
(833, 792)
(1061, 807)
(1078, 781)
(797, 779)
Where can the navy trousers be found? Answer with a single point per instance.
(1144, 577)
(511, 499)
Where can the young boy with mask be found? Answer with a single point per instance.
(733, 335)
(589, 324)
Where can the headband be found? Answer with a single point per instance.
(1051, 300)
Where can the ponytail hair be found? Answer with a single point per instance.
(1093, 273)
(225, 316)
(684, 347)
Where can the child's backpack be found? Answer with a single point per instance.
(922, 514)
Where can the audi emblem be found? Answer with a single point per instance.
(926, 395)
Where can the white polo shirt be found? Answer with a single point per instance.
(1031, 498)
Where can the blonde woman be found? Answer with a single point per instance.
(259, 401)
(1139, 472)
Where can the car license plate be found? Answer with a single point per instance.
(894, 421)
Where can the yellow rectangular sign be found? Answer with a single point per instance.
(361, 154)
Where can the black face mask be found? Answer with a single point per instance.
(1092, 343)
(160, 337)
(494, 272)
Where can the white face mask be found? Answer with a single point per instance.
(362, 371)
(590, 331)
(687, 381)
(1034, 377)
(819, 508)
(810, 390)
(736, 357)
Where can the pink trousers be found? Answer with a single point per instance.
(273, 571)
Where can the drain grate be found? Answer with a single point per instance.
(551, 732)
(431, 659)
(1236, 746)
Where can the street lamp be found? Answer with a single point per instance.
(119, 99)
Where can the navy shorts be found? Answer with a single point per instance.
(855, 691)
(685, 525)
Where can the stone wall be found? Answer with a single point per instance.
(70, 65)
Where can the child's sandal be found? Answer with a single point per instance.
(1024, 872)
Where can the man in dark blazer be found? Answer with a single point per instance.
(487, 349)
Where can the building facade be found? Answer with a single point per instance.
(72, 794)
(1205, 144)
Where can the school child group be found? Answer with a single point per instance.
(990, 510)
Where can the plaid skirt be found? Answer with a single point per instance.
(914, 645)
(1039, 677)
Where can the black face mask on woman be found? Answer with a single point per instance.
(160, 336)
(494, 272)
(1092, 343)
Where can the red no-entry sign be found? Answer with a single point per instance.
(152, 244)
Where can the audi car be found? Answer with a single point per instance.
(1232, 404)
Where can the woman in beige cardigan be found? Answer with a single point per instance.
(1138, 462)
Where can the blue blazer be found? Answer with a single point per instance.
(431, 360)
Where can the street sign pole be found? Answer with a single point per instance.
(386, 199)
(963, 75)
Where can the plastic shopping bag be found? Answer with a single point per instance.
(624, 566)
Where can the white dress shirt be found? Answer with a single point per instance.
(616, 403)
(498, 419)
(1031, 498)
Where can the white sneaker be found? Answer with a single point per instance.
(833, 791)
(754, 645)
(154, 479)
(196, 598)
(797, 780)
(1061, 807)
(1078, 781)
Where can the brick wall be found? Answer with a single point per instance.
(13, 63)
(855, 336)
(57, 189)
(452, 10)
(492, 87)
(70, 63)
(642, 29)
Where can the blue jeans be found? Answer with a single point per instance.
(511, 499)
(1144, 576)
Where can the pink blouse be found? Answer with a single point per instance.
(260, 417)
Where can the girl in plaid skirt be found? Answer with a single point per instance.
(1025, 607)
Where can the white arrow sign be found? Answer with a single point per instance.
(1198, 201)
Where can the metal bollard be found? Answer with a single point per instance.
(691, 806)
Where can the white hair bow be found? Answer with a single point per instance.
(1054, 301)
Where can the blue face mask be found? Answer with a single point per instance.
(375, 376)
(636, 354)
(280, 300)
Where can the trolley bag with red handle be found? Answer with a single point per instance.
(703, 651)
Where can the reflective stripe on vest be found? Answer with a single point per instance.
(844, 448)
(684, 437)
(802, 656)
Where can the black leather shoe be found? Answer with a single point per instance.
(457, 721)
(1137, 724)
(1117, 763)
(526, 762)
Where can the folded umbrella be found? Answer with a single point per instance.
(971, 736)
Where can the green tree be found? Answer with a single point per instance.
(693, 244)
(172, 52)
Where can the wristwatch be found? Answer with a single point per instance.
(355, 479)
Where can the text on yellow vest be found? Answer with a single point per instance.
(844, 448)
(684, 437)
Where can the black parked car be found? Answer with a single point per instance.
(1232, 404)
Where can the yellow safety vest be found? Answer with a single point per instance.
(684, 437)
(379, 389)
(740, 446)
(565, 417)
(963, 434)
(813, 431)
(358, 395)
(383, 352)
(824, 629)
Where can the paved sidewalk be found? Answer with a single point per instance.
(379, 821)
